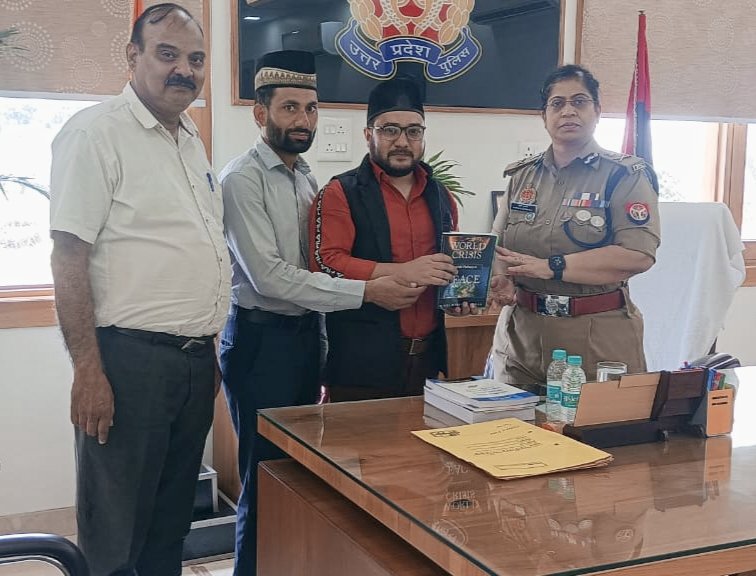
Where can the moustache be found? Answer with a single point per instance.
(401, 153)
(181, 81)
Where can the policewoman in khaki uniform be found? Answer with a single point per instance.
(578, 222)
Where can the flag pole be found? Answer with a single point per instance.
(637, 141)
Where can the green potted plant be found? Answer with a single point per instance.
(443, 171)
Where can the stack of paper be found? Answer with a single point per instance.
(480, 400)
(511, 448)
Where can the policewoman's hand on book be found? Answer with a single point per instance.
(519, 264)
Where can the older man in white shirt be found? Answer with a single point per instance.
(142, 282)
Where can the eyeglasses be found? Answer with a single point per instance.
(392, 132)
(556, 104)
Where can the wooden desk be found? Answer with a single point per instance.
(684, 507)
(469, 337)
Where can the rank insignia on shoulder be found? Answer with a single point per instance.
(638, 166)
(637, 212)
(515, 166)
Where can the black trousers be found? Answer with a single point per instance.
(135, 494)
(268, 361)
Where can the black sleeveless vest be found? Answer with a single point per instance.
(364, 345)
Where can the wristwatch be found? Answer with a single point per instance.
(557, 264)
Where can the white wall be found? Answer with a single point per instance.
(36, 439)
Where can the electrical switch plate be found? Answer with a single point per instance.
(334, 139)
(528, 148)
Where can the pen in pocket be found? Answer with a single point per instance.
(210, 181)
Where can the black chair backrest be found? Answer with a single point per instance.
(49, 548)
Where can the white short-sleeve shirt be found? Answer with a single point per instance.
(152, 208)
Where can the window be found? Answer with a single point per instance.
(682, 156)
(28, 128)
(748, 227)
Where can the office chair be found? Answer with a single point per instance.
(55, 550)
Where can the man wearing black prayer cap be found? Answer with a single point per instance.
(270, 347)
(386, 217)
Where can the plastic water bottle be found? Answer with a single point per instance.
(572, 381)
(554, 385)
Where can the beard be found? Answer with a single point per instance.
(385, 161)
(281, 139)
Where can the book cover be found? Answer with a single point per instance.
(483, 393)
(473, 256)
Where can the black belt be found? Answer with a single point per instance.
(189, 344)
(415, 346)
(257, 316)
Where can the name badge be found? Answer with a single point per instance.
(522, 207)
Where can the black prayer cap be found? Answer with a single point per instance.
(286, 68)
(397, 94)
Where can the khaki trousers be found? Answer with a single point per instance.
(524, 341)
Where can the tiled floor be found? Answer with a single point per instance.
(222, 568)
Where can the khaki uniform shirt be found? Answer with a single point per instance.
(542, 201)
(537, 182)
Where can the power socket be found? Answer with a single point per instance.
(529, 148)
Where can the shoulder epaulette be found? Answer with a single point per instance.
(515, 166)
(631, 163)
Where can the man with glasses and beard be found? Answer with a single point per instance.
(386, 217)
(270, 347)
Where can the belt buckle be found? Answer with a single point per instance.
(413, 342)
(192, 345)
(553, 305)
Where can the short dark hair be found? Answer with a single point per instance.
(264, 95)
(570, 72)
(154, 15)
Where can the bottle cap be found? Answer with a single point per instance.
(559, 354)
(575, 360)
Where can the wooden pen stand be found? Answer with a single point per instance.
(641, 408)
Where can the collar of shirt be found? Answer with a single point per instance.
(421, 179)
(271, 159)
(588, 155)
(146, 118)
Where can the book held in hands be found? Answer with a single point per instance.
(473, 256)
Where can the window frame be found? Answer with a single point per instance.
(731, 164)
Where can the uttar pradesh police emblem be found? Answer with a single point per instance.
(637, 212)
(434, 32)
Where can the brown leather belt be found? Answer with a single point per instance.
(415, 346)
(555, 305)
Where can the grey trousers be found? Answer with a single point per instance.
(135, 493)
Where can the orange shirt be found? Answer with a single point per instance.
(412, 236)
